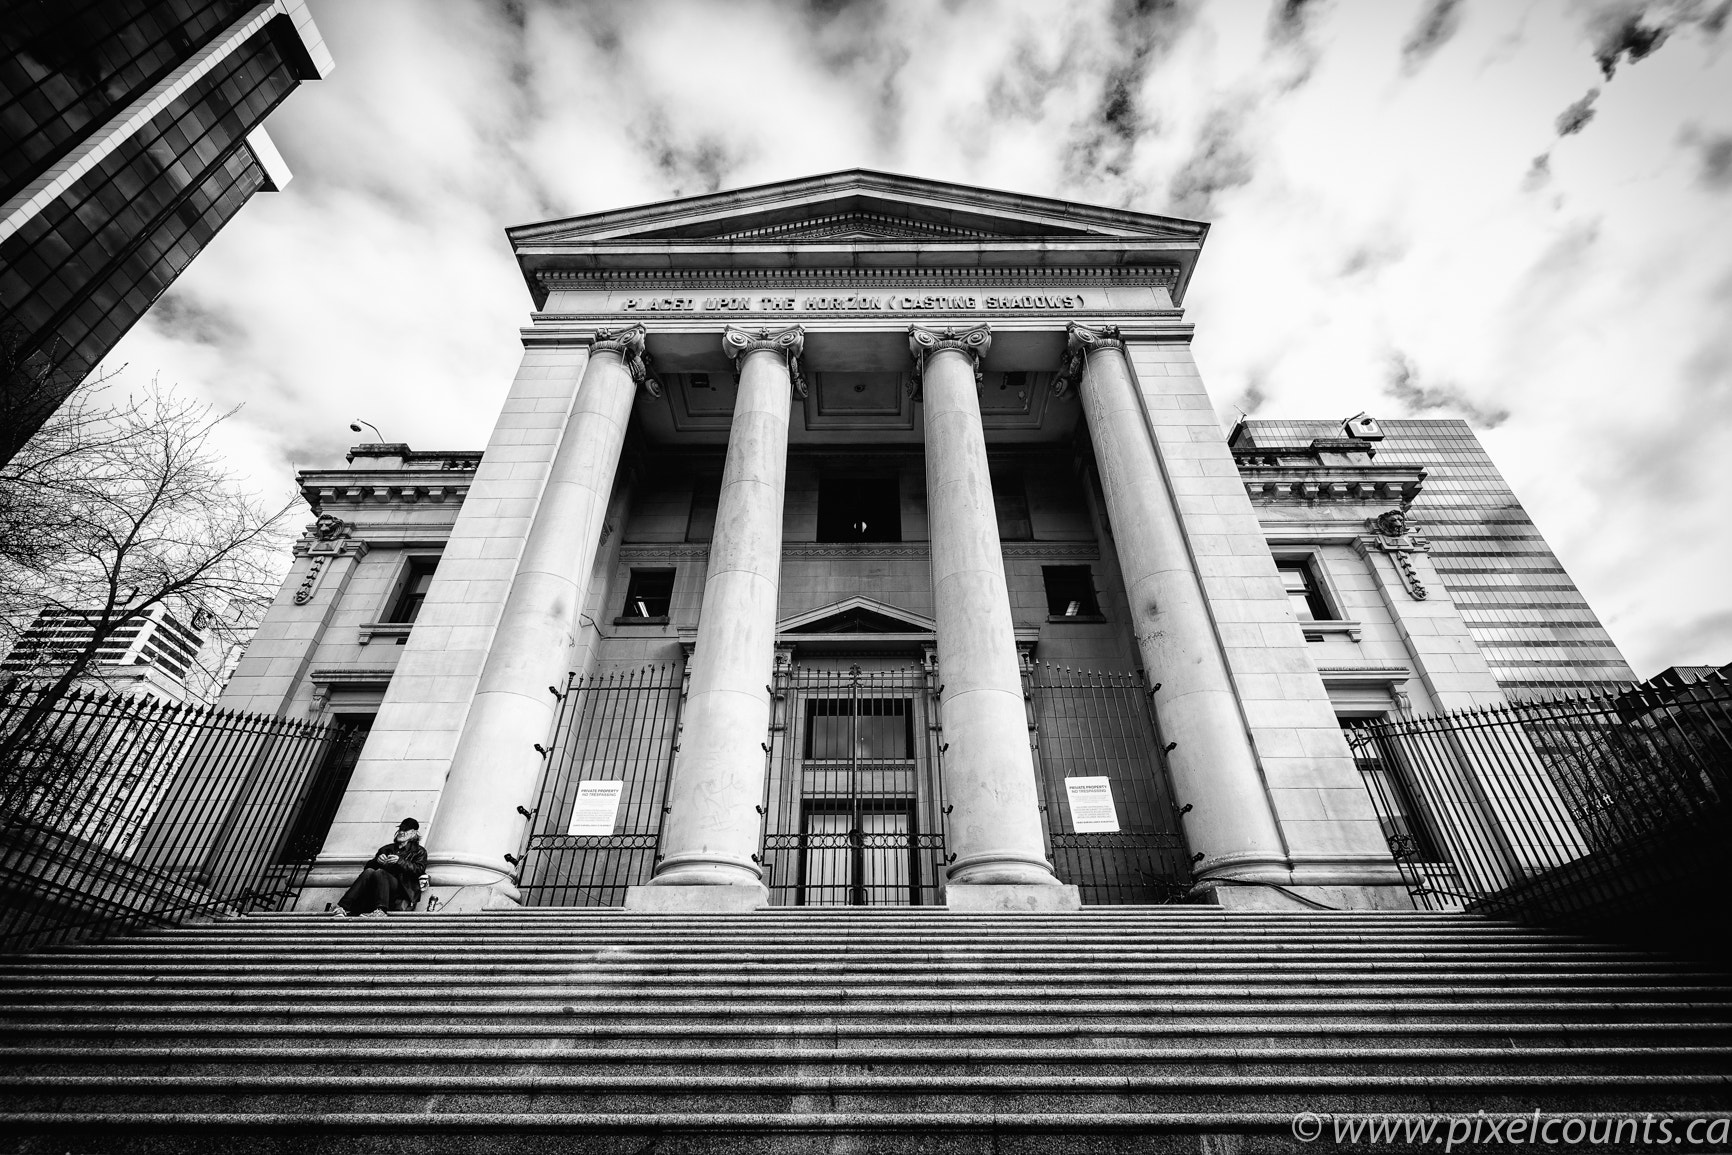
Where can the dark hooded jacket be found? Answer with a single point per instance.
(411, 864)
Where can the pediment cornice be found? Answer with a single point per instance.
(812, 620)
(857, 220)
(859, 200)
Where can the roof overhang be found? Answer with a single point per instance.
(859, 220)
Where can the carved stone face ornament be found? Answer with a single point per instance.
(1391, 527)
(1391, 523)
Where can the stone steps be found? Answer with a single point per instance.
(699, 1092)
(866, 1032)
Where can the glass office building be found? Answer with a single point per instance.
(131, 132)
(1537, 632)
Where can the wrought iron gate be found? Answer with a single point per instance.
(617, 727)
(1089, 724)
(853, 803)
(854, 814)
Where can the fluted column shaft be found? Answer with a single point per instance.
(994, 828)
(1213, 766)
(496, 767)
(711, 829)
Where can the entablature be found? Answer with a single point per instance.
(1329, 469)
(326, 488)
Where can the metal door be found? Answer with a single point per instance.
(853, 810)
(621, 726)
(1091, 724)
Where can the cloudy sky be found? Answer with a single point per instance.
(1517, 213)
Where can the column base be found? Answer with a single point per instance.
(456, 899)
(996, 898)
(1251, 896)
(1328, 882)
(736, 898)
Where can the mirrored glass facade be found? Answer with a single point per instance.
(1535, 628)
(78, 83)
(66, 66)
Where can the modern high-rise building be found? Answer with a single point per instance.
(131, 131)
(155, 654)
(1539, 635)
(863, 540)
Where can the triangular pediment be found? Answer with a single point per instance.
(858, 205)
(856, 225)
(857, 615)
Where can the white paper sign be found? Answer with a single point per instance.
(598, 807)
(1091, 806)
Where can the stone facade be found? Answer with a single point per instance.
(859, 420)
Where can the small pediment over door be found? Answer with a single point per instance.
(856, 616)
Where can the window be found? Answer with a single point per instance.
(1070, 591)
(706, 496)
(1403, 827)
(319, 805)
(1010, 503)
(648, 595)
(417, 577)
(859, 509)
(867, 729)
(1303, 592)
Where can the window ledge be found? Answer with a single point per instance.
(1317, 631)
(398, 630)
(637, 621)
(1090, 618)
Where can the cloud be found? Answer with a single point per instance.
(1692, 638)
(1539, 173)
(1220, 161)
(1575, 118)
(1381, 249)
(181, 318)
(1368, 169)
(1713, 152)
(1252, 397)
(1436, 26)
(1103, 144)
(1624, 34)
(1442, 399)
(1631, 30)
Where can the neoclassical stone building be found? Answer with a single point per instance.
(864, 539)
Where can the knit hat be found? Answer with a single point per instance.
(408, 824)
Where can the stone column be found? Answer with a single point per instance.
(710, 831)
(1214, 768)
(496, 767)
(994, 829)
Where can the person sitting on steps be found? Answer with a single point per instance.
(392, 880)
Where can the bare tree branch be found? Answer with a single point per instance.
(117, 507)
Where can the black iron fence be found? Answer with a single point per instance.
(597, 820)
(118, 811)
(853, 805)
(1580, 810)
(1098, 752)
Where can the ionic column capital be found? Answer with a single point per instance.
(924, 342)
(633, 354)
(1080, 341)
(789, 342)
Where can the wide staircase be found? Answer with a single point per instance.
(1117, 1029)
